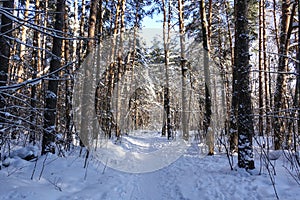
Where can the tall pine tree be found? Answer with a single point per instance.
(242, 71)
(51, 93)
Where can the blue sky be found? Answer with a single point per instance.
(152, 27)
(156, 22)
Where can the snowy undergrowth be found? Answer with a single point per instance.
(191, 177)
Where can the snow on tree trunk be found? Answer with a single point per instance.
(184, 69)
(260, 68)
(243, 91)
(51, 92)
(297, 91)
(120, 67)
(167, 127)
(5, 26)
(208, 104)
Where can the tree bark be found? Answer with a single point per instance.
(88, 115)
(275, 24)
(281, 84)
(5, 31)
(23, 39)
(208, 103)
(184, 71)
(297, 91)
(51, 93)
(266, 75)
(166, 37)
(82, 33)
(260, 68)
(233, 135)
(242, 71)
(120, 68)
(68, 50)
(36, 64)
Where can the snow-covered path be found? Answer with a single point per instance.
(192, 177)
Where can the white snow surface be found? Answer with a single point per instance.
(135, 154)
(191, 177)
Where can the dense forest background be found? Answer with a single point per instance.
(244, 88)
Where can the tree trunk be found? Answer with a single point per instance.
(243, 91)
(166, 37)
(68, 82)
(5, 31)
(228, 122)
(51, 93)
(266, 74)
(92, 26)
(281, 84)
(82, 32)
(233, 135)
(230, 35)
(297, 91)
(87, 121)
(120, 68)
(206, 51)
(275, 24)
(23, 39)
(80, 48)
(111, 73)
(36, 64)
(260, 68)
(184, 71)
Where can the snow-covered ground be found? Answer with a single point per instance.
(192, 177)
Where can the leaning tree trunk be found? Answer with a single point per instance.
(243, 91)
(51, 92)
